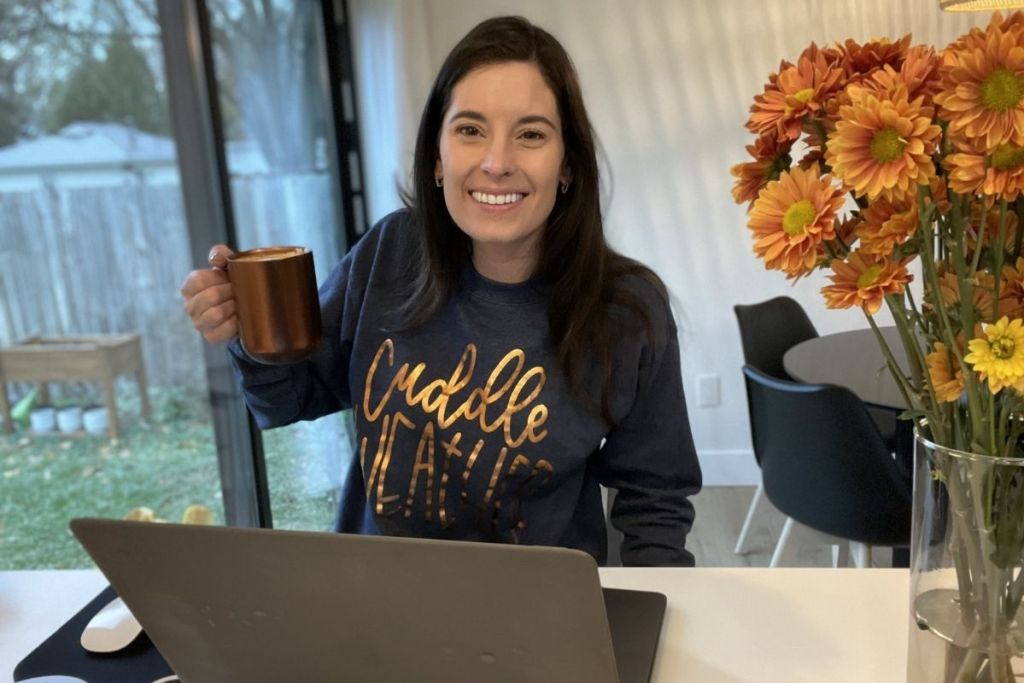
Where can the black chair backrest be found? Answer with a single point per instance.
(771, 328)
(823, 461)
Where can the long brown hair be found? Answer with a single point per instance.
(575, 259)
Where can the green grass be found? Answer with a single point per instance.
(166, 465)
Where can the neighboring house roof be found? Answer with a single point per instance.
(89, 145)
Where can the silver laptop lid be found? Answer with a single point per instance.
(225, 604)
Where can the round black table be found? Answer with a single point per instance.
(853, 360)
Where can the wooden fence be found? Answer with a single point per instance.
(111, 259)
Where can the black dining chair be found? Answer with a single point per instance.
(767, 331)
(825, 465)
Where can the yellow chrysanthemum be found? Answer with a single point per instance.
(947, 379)
(771, 158)
(792, 217)
(798, 90)
(864, 280)
(999, 356)
(997, 173)
(886, 225)
(883, 146)
(982, 93)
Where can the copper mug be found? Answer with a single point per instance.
(276, 302)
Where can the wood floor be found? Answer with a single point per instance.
(720, 511)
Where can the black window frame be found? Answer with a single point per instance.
(206, 188)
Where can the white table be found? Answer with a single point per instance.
(722, 626)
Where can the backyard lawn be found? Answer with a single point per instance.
(166, 465)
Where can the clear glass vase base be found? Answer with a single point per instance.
(939, 611)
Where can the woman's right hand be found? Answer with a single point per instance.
(210, 299)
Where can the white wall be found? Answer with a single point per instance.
(668, 85)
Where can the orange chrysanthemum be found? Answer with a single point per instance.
(983, 87)
(798, 90)
(947, 378)
(1011, 291)
(863, 60)
(864, 280)
(981, 287)
(886, 225)
(984, 220)
(997, 173)
(792, 217)
(883, 146)
(919, 74)
(938, 195)
(771, 158)
(846, 229)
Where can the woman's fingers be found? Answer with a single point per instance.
(225, 332)
(209, 301)
(210, 297)
(214, 316)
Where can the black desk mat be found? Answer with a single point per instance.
(63, 654)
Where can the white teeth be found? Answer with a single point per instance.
(498, 199)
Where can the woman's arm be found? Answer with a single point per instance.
(649, 458)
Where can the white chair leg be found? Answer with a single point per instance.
(751, 512)
(780, 547)
(840, 555)
(860, 554)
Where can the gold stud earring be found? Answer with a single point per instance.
(439, 181)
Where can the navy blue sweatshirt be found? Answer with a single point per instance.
(466, 426)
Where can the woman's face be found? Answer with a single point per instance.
(502, 159)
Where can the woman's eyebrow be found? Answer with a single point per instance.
(477, 116)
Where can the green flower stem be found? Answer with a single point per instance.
(967, 316)
(915, 312)
(992, 426)
(999, 249)
(918, 364)
(946, 332)
(1019, 237)
(906, 390)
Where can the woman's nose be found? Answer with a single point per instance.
(499, 159)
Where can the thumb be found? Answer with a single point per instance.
(219, 254)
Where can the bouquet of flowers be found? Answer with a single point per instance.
(883, 160)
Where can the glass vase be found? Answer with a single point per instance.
(965, 567)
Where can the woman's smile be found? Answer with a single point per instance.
(497, 198)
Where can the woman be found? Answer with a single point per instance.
(500, 358)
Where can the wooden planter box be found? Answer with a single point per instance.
(93, 358)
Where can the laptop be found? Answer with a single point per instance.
(226, 604)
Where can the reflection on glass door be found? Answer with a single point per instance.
(269, 63)
(106, 406)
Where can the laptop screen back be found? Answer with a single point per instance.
(226, 604)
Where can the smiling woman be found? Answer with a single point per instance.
(502, 361)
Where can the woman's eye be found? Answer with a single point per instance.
(533, 135)
(467, 130)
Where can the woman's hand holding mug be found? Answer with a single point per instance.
(265, 297)
(210, 298)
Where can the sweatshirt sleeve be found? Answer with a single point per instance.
(279, 395)
(649, 458)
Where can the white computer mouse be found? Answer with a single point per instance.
(112, 629)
